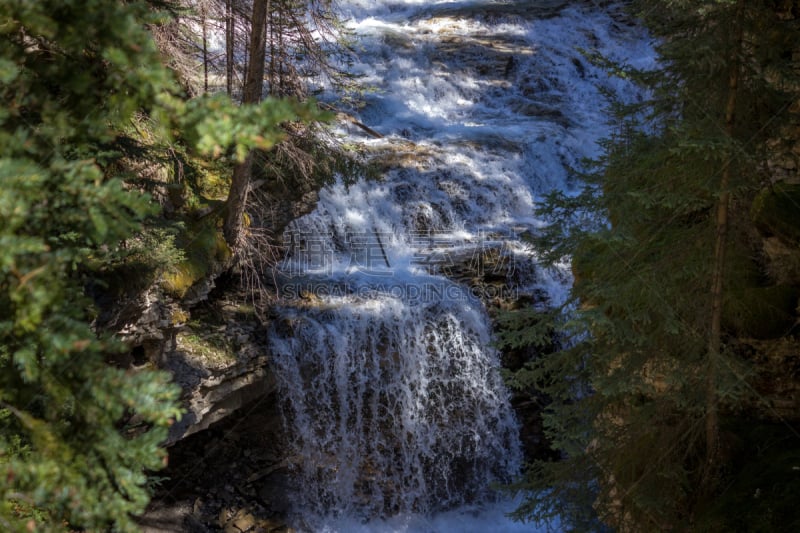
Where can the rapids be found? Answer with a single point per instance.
(397, 414)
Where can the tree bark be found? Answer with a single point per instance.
(204, 15)
(254, 79)
(242, 172)
(718, 273)
(229, 46)
(272, 54)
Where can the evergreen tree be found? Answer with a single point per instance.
(78, 435)
(72, 74)
(291, 45)
(657, 369)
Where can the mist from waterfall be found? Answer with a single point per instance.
(397, 414)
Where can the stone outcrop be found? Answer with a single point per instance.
(229, 478)
(219, 370)
(170, 311)
(213, 350)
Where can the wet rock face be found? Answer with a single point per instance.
(539, 9)
(230, 478)
(220, 360)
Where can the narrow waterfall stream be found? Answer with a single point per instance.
(397, 416)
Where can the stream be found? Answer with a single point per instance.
(397, 415)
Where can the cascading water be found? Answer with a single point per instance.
(392, 395)
(394, 407)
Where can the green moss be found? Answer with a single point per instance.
(776, 211)
(212, 179)
(178, 316)
(211, 350)
(204, 247)
(245, 311)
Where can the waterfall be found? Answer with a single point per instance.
(391, 388)
(394, 407)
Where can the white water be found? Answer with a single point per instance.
(399, 419)
(395, 407)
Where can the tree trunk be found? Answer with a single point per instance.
(272, 54)
(718, 273)
(229, 46)
(204, 15)
(281, 85)
(242, 172)
(254, 79)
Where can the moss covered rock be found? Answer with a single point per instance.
(776, 212)
(206, 251)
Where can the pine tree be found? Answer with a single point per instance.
(292, 44)
(78, 435)
(655, 373)
(71, 75)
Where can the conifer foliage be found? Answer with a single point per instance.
(648, 400)
(77, 434)
(72, 74)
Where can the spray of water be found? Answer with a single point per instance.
(397, 415)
